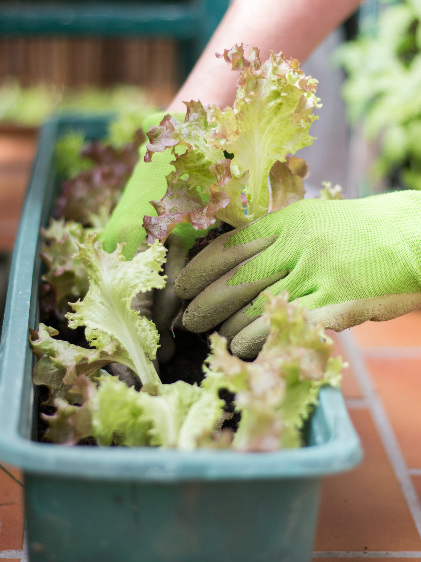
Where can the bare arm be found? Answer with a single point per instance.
(293, 27)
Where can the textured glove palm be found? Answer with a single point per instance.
(346, 261)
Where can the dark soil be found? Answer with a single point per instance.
(186, 364)
(205, 240)
(54, 316)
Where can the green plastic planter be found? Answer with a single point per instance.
(89, 504)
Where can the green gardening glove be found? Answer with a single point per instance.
(147, 183)
(346, 261)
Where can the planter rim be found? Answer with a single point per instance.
(341, 452)
(336, 447)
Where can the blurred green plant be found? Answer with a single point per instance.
(382, 91)
(31, 106)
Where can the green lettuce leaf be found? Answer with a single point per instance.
(177, 415)
(118, 415)
(224, 157)
(106, 311)
(66, 275)
(270, 118)
(61, 363)
(182, 413)
(71, 423)
(277, 391)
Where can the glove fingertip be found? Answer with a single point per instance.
(248, 343)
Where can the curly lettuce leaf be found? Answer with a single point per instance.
(181, 414)
(192, 195)
(176, 416)
(286, 182)
(106, 311)
(61, 363)
(71, 423)
(259, 389)
(118, 415)
(66, 275)
(223, 157)
(276, 392)
(97, 190)
(193, 154)
(270, 118)
(189, 143)
(180, 206)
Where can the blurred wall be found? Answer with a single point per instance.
(328, 156)
(152, 64)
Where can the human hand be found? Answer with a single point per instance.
(346, 261)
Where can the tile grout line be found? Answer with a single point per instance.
(19, 554)
(355, 403)
(383, 426)
(392, 353)
(366, 554)
(4, 469)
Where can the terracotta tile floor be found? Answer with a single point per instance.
(16, 153)
(373, 512)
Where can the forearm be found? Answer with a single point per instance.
(295, 28)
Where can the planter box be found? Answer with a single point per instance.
(89, 504)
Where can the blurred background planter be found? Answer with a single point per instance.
(381, 90)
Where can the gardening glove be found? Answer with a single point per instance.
(346, 261)
(147, 183)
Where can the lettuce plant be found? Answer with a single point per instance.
(104, 170)
(115, 331)
(94, 179)
(235, 164)
(65, 276)
(274, 394)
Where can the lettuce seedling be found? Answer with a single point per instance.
(274, 394)
(66, 276)
(113, 329)
(277, 391)
(176, 416)
(235, 164)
